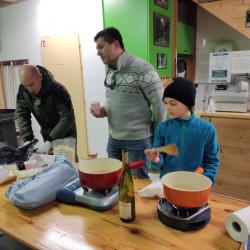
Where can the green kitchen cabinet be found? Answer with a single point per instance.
(135, 20)
(185, 39)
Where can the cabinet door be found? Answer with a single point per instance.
(234, 172)
(185, 39)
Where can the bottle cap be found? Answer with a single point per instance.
(92, 154)
(136, 164)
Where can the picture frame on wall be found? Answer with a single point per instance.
(161, 61)
(248, 18)
(161, 30)
(162, 3)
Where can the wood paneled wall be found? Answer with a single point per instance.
(234, 139)
(231, 12)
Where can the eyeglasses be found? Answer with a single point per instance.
(110, 80)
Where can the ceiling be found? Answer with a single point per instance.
(4, 3)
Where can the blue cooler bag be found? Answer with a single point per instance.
(41, 188)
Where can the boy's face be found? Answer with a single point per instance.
(175, 108)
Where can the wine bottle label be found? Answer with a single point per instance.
(125, 210)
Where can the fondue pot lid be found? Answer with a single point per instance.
(183, 219)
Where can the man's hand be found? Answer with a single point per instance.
(102, 113)
(44, 148)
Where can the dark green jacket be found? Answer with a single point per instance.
(52, 109)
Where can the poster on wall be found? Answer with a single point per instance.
(161, 61)
(219, 67)
(162, 3)
(240, 62)
(161, 30)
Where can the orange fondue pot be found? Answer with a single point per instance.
(186, 189)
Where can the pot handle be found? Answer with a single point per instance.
(199, 170)
(136, 164)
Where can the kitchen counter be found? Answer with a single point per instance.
(61, 226)
(224, 114)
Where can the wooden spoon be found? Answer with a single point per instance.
(170, 149)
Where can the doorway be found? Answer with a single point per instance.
(61, 55)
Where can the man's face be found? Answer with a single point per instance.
(32, 82)
(108, 52)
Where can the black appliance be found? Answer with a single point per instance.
(183, 219)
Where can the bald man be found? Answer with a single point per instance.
(50, 103)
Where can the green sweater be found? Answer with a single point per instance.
(134, 101)
(52, 109)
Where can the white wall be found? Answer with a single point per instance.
(211, 32)
(22, 26)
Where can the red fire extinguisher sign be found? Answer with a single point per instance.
(43, 43)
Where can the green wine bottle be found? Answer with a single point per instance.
(126, 192)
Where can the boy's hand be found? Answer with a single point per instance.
(152, 155)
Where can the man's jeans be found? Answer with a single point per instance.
(135, 152)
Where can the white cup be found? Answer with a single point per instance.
(96, 107)
(3, 173)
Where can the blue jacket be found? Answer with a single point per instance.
(196, 140)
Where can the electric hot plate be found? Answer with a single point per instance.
(74, 193)
(183, 219)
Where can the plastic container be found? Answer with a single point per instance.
(30, 164)
(8, 127)
(64, 149)
(211, 106)
(7, 173)
(3, 173)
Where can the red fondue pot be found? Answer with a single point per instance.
(102, 173)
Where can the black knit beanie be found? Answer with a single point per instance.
(181, 90)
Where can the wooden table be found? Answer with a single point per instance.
(61, 226)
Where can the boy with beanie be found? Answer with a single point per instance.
(195, 138)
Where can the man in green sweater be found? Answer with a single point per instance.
(133, 99)
(50, 103)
